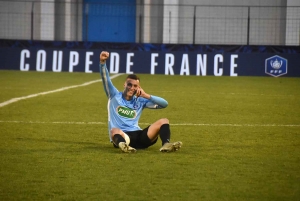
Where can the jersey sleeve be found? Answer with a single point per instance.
(156, 102)
(109, 88)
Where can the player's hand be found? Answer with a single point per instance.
(103, 56)
(138, 92)
(141, 93)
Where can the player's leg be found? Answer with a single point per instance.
(117, 135)
(121, 140)
(161, 128)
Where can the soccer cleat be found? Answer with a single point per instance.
(126, 148)
(170, 147)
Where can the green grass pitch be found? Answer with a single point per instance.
(241, 140)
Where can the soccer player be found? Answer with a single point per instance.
(124, 111)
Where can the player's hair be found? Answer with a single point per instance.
(133, 76)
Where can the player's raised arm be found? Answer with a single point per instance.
(109, 88)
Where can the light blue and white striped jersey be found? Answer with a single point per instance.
(125, 114)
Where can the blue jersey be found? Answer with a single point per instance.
(125, 114)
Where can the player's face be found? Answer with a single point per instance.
(131, 86)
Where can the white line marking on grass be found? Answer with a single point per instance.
(181, 124)
(13, 100)
(235, 94)
(237, 125)
(55, 122)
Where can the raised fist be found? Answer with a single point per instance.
(103, 56)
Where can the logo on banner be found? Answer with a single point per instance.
(276, 66)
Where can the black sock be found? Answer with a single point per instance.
(118, 138)
(165, 133)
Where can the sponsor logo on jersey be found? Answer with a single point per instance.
(126, 112)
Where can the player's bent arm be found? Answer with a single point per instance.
(109, 88)
(156, 103)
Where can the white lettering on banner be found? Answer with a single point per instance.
(24, 54)
(129, 63)
(201, 64)
(114, 62)
(233, 64)
(185, 67)
(41, 60)
(73, 60)
(57, 63)
(218, 71)
(88, 62)
(153, 63)
(169, 62)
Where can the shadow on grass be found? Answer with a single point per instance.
(70, 145)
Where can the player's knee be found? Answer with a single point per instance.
(114, 131)
(164, 121)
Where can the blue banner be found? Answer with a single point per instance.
(168, 59)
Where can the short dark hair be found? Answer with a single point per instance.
(133, 76)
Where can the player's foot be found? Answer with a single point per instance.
(126, 148)
(171, 146)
